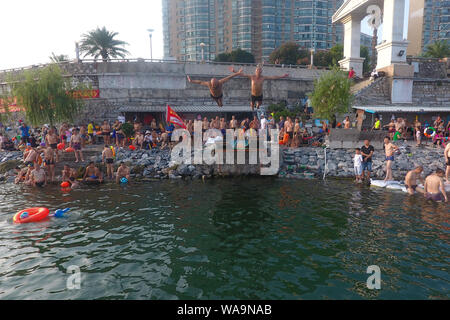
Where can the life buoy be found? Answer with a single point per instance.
(428, 135)
(32, 215)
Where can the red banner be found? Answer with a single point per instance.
(12, 106)
(172, 117)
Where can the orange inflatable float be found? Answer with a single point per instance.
(285, 139)
(31, 215)
(69, 149)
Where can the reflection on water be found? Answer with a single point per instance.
(225, 239)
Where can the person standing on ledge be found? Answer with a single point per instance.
(257, 81)
(215, 86)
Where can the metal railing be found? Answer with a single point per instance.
(97, 61)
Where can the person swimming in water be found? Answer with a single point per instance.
(434, 186)
(257, 81)
(215, 86)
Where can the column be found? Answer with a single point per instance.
(352, 46)
(393, 48)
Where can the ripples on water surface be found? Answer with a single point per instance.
(225, 239)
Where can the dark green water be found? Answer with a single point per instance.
(225, 239)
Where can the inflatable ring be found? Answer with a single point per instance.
(427, 134)
(33, 215)
(65, 184)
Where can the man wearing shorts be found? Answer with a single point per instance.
(108, 159)
(257, 81)
(447, 162)
(75, 143)
(49, 160)
(434, 187)
(38, 177)
(389, 150)
(52, 141)
(411, 180)
(367, 151)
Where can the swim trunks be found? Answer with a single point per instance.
(29, 164)
(40, 184)
(412, 187)
(77, 146)
(105, 133)
(217, 98)
(448, 162)
(258, 98)
(109, 160)
(54, 146)
(49, 162)
(390, 158)
(358, 170)
(435, 196)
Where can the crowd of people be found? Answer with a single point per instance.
(433, 186)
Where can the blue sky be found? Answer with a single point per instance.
(30, 30)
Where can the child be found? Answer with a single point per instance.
(357, 164)
(418, 137)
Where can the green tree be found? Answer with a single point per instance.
(364, 53)
(337, 53)
(128, 129)
(102, 43)
(46, 95)
(238, 55)
(58, 58)
(288, 53)
(331, 94)
(223, 57)
(438, 49)
(323, 58)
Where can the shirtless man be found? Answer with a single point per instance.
(92, 173)
(233, 123)
(434, 187)
(122, 172)
(108, 158)
(49, 160)
(38, 177)
(215, 86)
(138, 140)
(52, 140)
(411, 180)
(254, 124)
(106, 132)
(447, 162)
(257, 81)
(83, 134)
(30, 156)
(389, 150)
(205, 124)
(75, 143)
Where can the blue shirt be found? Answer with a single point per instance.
(170, 129)
(25, 131)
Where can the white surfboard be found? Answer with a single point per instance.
(382, 183)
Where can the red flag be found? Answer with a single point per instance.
(172, 117)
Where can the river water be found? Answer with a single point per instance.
(246, 238)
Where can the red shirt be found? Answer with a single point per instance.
(351, 74)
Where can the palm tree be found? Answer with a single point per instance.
(58, 58)
(101, 42)
(437, 49)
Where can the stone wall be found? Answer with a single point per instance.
(432, 93)
(142, 84)
(302, 162)
(428, 68)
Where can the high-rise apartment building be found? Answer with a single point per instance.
(257, 26)
(429, 20)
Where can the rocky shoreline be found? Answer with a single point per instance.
(300, 163)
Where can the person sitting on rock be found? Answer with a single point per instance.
(93, 174)
(122, 172)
